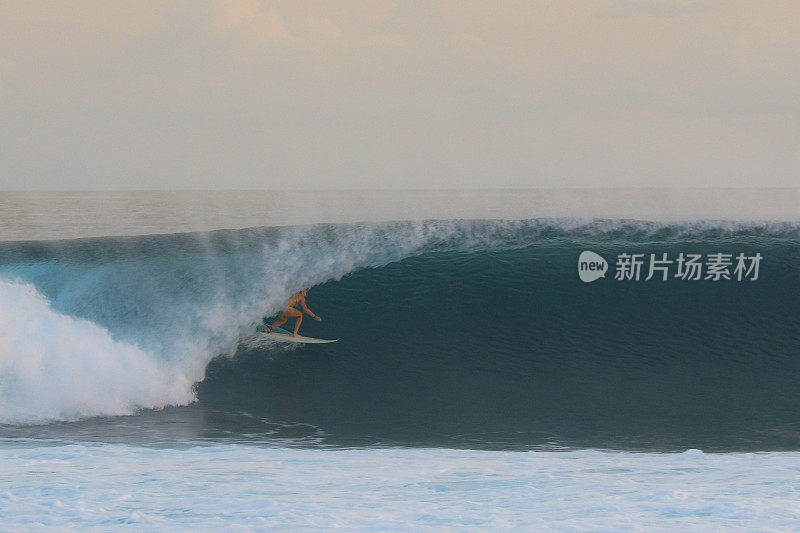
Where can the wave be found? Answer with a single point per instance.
(153, 310)
(462, 329)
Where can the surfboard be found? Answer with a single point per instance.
(280, 334)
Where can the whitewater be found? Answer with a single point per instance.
(243, 488)
(478, 383)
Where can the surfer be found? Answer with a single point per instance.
(292, 312)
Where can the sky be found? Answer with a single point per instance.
(309, 95)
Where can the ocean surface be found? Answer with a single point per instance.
(477, 381)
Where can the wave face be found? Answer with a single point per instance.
(452, 333)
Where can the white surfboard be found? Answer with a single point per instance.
(280, 334)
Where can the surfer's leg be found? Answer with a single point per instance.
(282, 318)
(298, 321)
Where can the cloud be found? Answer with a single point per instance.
(251, 20)
(655, 8)
(277, 93)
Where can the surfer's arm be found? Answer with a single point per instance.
(308, 311)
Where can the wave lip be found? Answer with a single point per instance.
(59, 215)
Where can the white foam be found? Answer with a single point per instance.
(248, 488)
(53, 366)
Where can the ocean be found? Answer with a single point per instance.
(477, 382)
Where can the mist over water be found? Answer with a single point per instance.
(47, 215)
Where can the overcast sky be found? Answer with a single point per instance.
(247, 94)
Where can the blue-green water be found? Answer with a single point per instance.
(452, 334)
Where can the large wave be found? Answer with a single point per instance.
(105, 326)
(446, 326)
